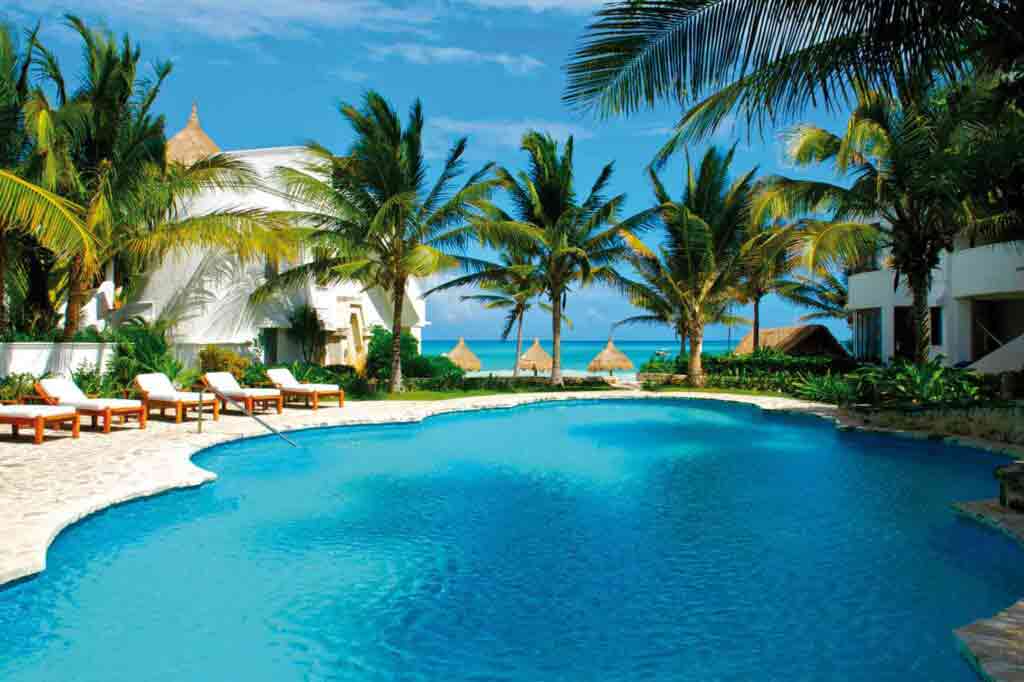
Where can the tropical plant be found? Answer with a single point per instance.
(766, 261)
(705, 232)
(378, 352)
(375, 219)
(306, 330)
(659, 292)
(17, 386)
(824, 292)
(907, 194)
(214, 358)
(828, 388)
(510, 285)
(571, 242)
(767, 59)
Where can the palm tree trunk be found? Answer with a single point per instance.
(76, 296)
(519, 344)
(695, 369)
(921, 316)
(3, 282)
(556, 340)
(398, 300)
(757, 322)
(39, 313)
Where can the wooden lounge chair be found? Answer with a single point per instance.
(158, 393)
(285, 382)
(58, 391)
(225, 386)
(38, 417)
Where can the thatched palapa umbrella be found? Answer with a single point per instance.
(462, 356)
(609, 359)
(536, 358)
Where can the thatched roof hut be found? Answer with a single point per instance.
(536, 358)
(191, 144)
(609, 360)
(808, 339)
(462, 356)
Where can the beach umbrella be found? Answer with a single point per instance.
(536, 358)
(609, 360)
(462, 356)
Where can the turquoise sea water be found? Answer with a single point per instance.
(576, 355)
(612, 540)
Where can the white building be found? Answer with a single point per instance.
(207, 293)
(977, 305)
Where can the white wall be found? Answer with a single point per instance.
(52, 358)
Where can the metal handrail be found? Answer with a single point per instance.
(999, 344)
(246, 412)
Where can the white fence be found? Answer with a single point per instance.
(52, 358)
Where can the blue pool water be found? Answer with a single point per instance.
(580, 541)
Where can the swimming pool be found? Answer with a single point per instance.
(610, 540)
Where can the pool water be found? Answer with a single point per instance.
(606, 540)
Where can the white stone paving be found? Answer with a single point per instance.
(44, 488)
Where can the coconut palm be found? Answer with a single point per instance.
(764, 59)
(374, 217)
(28, 213)
(767, 259)
(573, 243)
(705, 232)
(907, 194)
(510, 285)
(659, 293)
(825, 293)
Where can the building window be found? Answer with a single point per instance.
(936, 326)
(867, 334)
(269, 343)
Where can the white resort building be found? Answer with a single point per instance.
(977, 306)
(206, 293)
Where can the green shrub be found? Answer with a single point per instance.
(835, 390)
(378, 353)
(214, 358)
(142, 348)
(17, 386)
(929, 384)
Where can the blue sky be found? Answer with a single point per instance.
(272, 72)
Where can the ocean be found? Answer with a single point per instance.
(497, 356)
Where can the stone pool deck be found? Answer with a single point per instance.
(44, 489)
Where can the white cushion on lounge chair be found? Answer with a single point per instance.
(284, 378)
(225, 384)
(179, 397)
(32, 411)
(156, 384)
(65, 392)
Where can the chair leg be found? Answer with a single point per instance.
(92, 421)
(316, 401)
(216, 411)
(14, 430)
(107, 417)
(37, 423)
(178, 409)
(143, 418)
(75, 427)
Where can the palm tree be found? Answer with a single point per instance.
(94, 144)
(510, 285)
(766, 260)
(659, 292)
(373, 216)
(765, 59)
(908, 191)
(30, 217)
(571, 242)
(705, 231)
(825, 293)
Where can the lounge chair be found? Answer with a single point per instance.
(158, 393)
(285, 382)
(38, 417)
(226, 387)
(59, 391)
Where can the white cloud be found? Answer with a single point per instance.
(418, 53)
(243, 19)
(505, 133)
(347, 73)
(577, 6)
